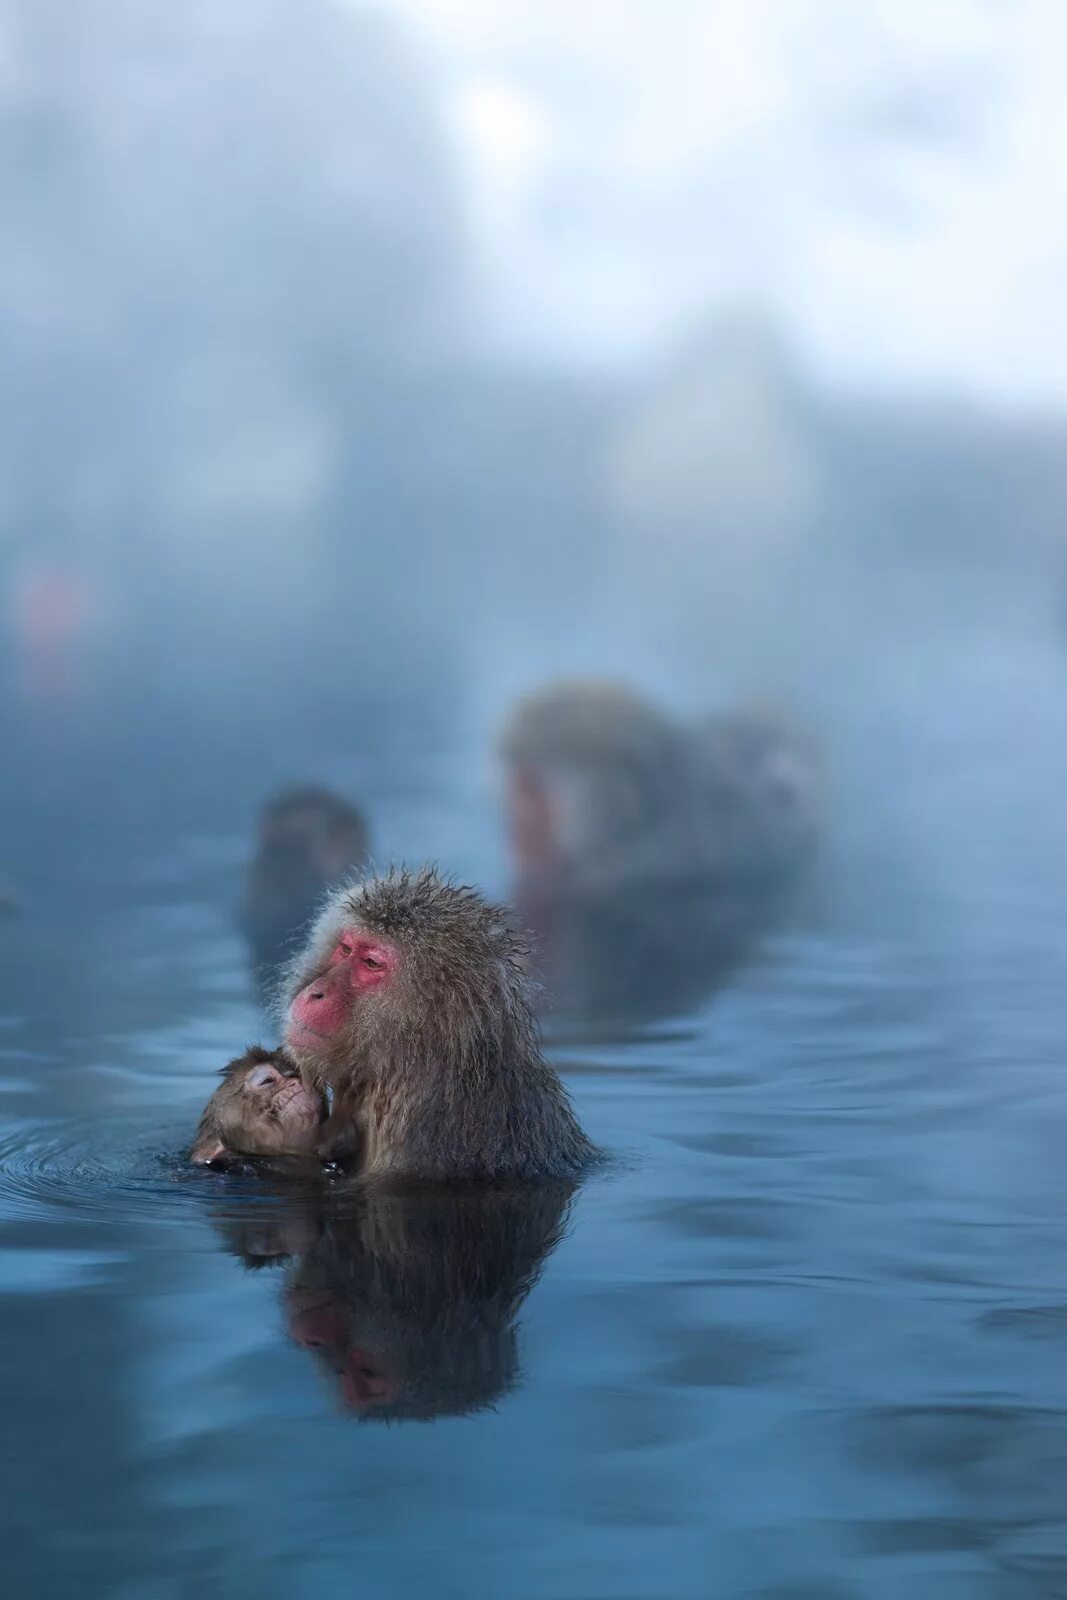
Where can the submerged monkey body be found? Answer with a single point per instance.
(411, 1004)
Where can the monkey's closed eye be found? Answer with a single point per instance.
(372, 961)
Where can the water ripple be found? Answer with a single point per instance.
(119, 1172)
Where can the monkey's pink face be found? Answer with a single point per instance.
(357, 966)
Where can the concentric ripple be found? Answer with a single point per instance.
(120, 1171)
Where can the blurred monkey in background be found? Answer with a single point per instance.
(309, 839)
(647, 853)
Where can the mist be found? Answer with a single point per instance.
(367, 368)
(307, 475)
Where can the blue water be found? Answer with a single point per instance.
(805, 1337)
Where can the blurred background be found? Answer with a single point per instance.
(365, 365)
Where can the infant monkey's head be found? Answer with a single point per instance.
(260, 1108)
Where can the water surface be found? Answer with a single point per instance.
(804, 1338)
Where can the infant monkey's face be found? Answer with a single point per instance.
(261, 1108)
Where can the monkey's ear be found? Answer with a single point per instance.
(209, 1152)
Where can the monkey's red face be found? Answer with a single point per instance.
(357, 966)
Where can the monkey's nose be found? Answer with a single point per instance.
(317, 994)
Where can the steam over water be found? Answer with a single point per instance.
(803, 1336)
(365, 368)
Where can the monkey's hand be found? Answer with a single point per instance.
(338, 1142)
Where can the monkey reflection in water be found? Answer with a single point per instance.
(308, 840)
(408, 1299)
(648, 854)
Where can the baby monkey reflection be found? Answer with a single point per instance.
(261, 1108)
(408, 1300)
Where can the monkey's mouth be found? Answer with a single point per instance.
(297, 1029)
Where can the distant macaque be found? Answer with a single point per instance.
(308, 840)
(599, 793)
(648, 853)
(605, 792)
(261, 1108)
(411, 1005)
(408, 1300)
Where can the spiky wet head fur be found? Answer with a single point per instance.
(441, 1071)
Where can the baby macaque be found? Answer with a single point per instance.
(308, 839)
(411, 1004)
(261, 1108)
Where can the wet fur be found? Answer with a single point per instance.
(235, 1120)
(440, 1075)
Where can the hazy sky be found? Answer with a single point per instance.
(888, 175)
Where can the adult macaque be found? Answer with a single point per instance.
(308, 840)
(598, 792)
(411, 1004)
(261, 1108)
(606, 792)
(648, 853)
